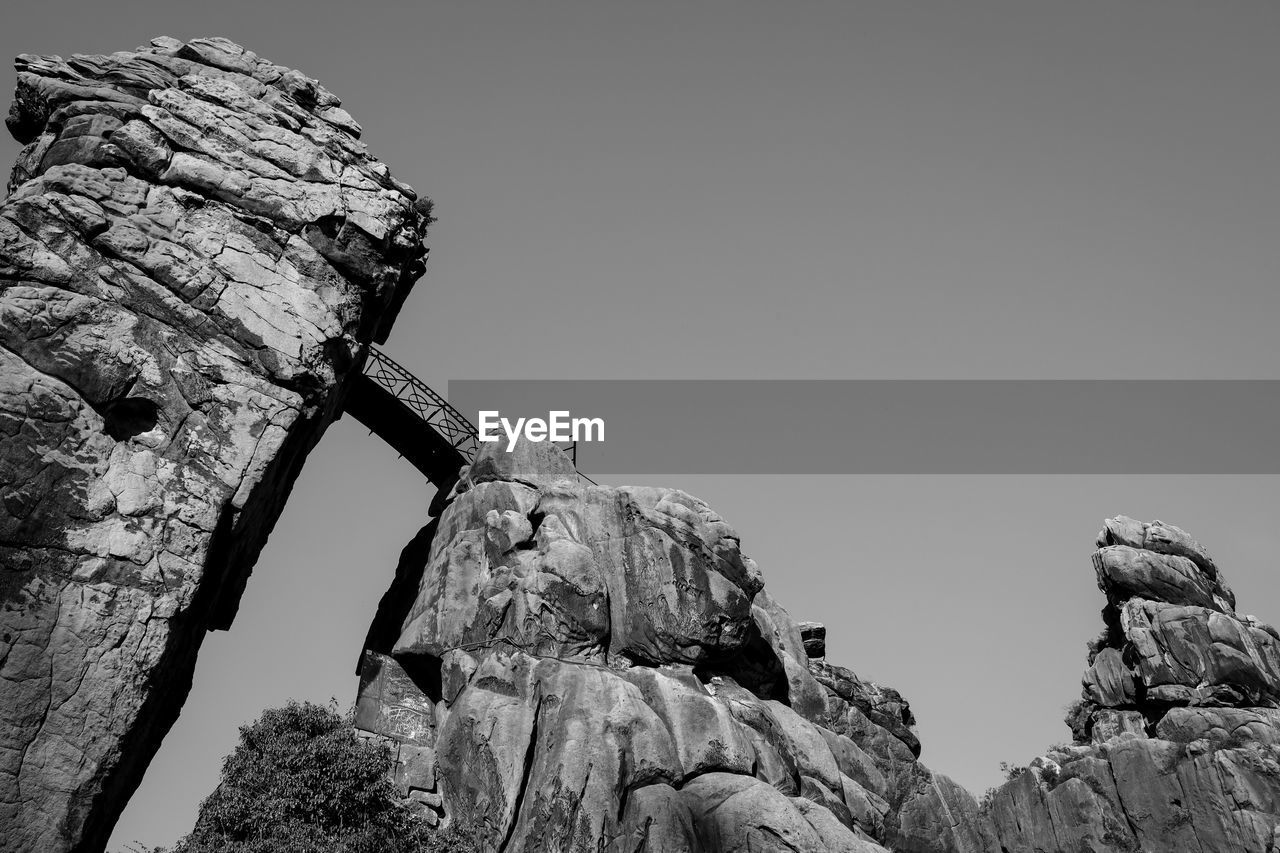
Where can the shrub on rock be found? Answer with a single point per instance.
(302, 781)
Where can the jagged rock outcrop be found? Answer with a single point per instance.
(579, 667)
(532, 672)
(1177, 734)
(194, 254)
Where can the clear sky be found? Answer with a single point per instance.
(787, 190)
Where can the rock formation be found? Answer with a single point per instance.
(1177, 734)
(195, 252)
(603, 666)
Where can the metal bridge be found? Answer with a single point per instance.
(417, 422)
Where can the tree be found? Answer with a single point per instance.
(301, 781)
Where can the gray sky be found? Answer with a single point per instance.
(800, 190)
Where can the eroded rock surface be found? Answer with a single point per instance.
(1176, 738)
(578, 667)
(544, 688)
(195, 251)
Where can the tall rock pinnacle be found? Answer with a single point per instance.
(1177, 734)
(195, 252)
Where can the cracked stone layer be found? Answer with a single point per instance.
(602, 665)
(195, 252)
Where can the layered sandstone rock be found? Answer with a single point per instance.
(602, 666)
(195, 251)
(1176, 734)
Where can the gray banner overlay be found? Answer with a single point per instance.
(905, 426)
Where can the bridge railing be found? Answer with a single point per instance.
(433, 409)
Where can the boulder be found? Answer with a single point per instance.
(580, 571)
(1125, 573)
(814, 635)
(1217, 657)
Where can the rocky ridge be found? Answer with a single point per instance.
(603, 666)
(195, 252)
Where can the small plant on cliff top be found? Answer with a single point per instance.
(301, 781)
(1011, 771)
